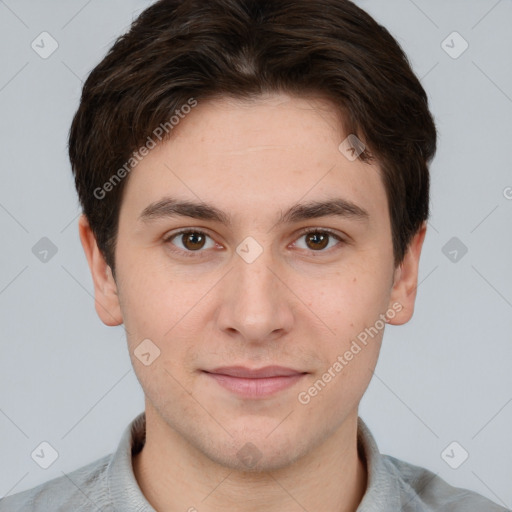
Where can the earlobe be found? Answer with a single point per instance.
(105, 288)
(403, 293)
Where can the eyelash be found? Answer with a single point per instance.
(201, 253)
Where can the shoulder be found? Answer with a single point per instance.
(81, 490)
(422, 490)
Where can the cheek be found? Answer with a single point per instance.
(353, 313)
(352, 302)
(151, 300)
(351, 308)
(169, 313)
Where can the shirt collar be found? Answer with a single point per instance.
(125, 493)
(382, 488)
(382, 492)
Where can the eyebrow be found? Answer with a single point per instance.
(169, 207)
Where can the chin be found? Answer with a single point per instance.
(258, 453)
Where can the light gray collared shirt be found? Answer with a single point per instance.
(109, 485)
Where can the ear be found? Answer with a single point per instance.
(105, 288)
(403, 293)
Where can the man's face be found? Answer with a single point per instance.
(258, 291)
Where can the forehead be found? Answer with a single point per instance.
(256, 156)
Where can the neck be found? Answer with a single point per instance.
(173, 475)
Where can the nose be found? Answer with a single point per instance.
(255, 302)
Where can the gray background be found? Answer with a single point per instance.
(67, 379)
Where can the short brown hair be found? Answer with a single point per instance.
(201, 49)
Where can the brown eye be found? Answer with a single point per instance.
(193, 241)
(317, 240)
(190, 241)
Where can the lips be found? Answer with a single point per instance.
(260, 373)
(255, 383)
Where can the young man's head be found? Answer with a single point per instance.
(254, 181)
